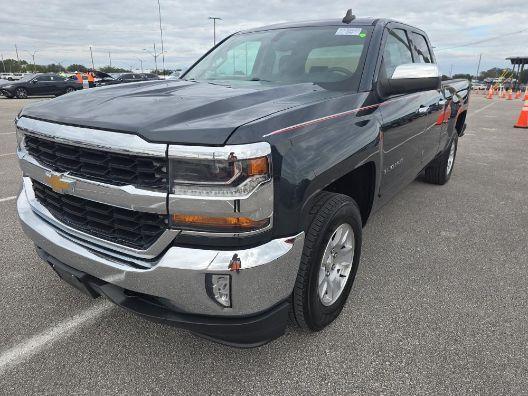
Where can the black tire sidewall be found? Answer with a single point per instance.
(320, 315)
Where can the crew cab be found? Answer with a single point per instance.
(39, 85)
(235, 197)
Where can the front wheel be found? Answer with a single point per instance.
(21, 93)
(329, 262)
(70, 90)
(440, 169)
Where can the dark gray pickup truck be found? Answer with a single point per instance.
(233, 198)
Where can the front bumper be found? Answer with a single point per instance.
(178, 275)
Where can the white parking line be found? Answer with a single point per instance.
(7, 199)
(5, 155)
(481, 109)
(23, 351)
(7, 133)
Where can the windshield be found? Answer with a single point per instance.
(319, 55)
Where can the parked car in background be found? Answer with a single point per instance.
(40, 85)
(478, 86)
(127, 78)
(174, 75)
(12, 76)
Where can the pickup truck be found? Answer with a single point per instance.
(232, 200)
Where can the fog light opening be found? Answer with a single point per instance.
(219, 289)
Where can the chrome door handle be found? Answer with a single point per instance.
(423, 110)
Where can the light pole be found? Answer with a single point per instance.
(33, 57)
(154, 54)
(110, 59)
(141, 64)
(60, 64)
(91, 56)
(3, 64)
(478, 67)
(161, 36)
(214, 27)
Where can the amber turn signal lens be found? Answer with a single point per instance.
(217, 223)
(258, 166)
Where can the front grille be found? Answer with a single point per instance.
(137, 230)
(103, 166)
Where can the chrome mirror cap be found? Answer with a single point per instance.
(415, 70)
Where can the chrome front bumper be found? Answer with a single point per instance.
(266, 278)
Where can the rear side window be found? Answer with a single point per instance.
(421, 49)
(397, 51)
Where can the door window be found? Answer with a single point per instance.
(421, 49)
(43, 78)
(397, 51)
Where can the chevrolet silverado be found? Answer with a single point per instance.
(234, 198)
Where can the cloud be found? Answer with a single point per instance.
(62, 31)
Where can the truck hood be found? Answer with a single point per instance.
(176, 111)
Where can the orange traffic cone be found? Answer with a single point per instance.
(526, 94)
(503, 96)
(523, 118)
(510, 94)
(490, 93)
(518, 94)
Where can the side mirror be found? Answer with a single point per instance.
(414, 77)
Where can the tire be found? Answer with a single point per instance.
(439, 171)
(69, 90)
(21, 93)
(328, 213)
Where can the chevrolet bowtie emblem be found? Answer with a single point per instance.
(59, 183)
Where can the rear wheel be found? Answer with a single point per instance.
(329, 262)
(70, 90)
(21, 93)
(440, 169)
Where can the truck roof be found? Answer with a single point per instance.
(365, 21)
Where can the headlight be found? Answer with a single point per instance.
(230, 174)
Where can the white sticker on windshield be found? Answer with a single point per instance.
(348, 32)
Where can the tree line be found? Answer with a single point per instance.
(22, 66)
(495, 72)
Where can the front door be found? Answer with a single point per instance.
(402, 121)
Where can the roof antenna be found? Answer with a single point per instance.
(349, 17)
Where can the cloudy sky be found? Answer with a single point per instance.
(61, 31)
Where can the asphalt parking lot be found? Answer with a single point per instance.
(439, 306)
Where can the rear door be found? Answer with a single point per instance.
(55, 86)
(37, 86)
(432, 100)
(401, 118)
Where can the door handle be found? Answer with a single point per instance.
(423, 110)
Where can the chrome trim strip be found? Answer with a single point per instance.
(242, 151)
(116, 142)
(127, 197)
(109, 247)
(257, 206)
